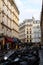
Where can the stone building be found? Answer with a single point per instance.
(29, 31)
(9, 17)
(36, 32)
(25, 30)
(41, 23)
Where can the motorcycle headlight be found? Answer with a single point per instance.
(5, 58)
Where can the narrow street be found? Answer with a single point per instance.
(41, 57)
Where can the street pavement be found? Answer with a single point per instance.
(41, 56)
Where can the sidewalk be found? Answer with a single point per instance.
(42, 47)
(41, 57)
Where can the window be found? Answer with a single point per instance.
(30, 36)
(30, 32)
(30, 28)
(27, 36)
(27, 32)
(30, 40)
(27, 40)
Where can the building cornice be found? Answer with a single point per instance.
(25, 25)
(10, 18)
(9, 27)
(14, 5)
(10, 10)
(6, 26)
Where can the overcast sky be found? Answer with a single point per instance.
(29, 8)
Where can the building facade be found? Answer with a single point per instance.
(29, 31)
(41, 24)
(9, 17)
(25, 30)
(36, 32)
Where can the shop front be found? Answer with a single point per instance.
(8, 43)
(16, 43)
(2, 42)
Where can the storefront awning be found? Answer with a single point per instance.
(15, 40)
(9, 39)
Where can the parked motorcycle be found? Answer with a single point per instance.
(25, 56)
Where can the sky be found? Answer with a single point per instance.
(29, 9)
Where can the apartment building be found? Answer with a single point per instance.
(36, 32)
(29, 31)
(25, 30)
(41, 24)
(9, 17)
